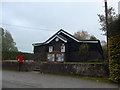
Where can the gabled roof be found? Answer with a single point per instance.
(64, 39)
(58, 36)
(69, 35)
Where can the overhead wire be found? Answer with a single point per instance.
(26, 27)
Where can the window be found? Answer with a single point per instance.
(55, 57)
(63, 48)
(50, 48)
(51, 57)
(59, 57)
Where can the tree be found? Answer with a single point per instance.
(84, 52)
(0, 39)
(111, 17)
(0, 43)
(83, 35)
(114, 50)
(93, 37)
(114, 58)
(8, 43)
(104, 47)
(114, 27)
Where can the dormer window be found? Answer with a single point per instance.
(63, 48)
(50, 48)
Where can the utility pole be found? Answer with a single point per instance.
(106, 20)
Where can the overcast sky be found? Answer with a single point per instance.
(31, 22)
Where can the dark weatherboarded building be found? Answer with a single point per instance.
(63, 46)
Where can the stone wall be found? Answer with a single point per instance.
(95, 70)
(26, 66)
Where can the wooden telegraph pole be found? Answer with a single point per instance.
(106, 20)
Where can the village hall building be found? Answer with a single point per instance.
(64, 47)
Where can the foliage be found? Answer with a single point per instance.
(114, 58)
(111, 17)
(83, 35)
(114, 27)
(8, 43)
(84, 51)
(93, 37)
(12, 55)
(104, 47)
(103, 42)
(1, 39)
(0, 44)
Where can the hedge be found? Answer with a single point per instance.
(114, 58)
(12, 55)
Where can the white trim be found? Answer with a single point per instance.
(62, 48)
(34, 44)
(50, 48)
(62, 39)
(76, 39)
(66, 40)
(55, 37)
(90, 41)
(69, 36)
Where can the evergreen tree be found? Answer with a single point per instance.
(8, 43)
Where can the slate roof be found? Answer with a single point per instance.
(65, 39)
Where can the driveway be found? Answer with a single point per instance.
(14, 79)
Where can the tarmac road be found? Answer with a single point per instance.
(13, 79)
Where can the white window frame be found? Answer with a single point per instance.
(63, 48)
(50, 48)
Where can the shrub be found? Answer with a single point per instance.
(114, 58)
(12, 55)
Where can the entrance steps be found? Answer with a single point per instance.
(37, 68)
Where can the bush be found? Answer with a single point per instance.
(12, 55)
(114, 58)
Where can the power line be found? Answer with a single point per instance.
(26, 27)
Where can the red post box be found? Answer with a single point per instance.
(20, 59)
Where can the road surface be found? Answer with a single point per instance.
(13, 79)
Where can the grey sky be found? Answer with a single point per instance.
(36, 22)
(119, 7)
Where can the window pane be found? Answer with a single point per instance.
(63, 48)
(51, 57)
(50, 48)
(59, 57)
